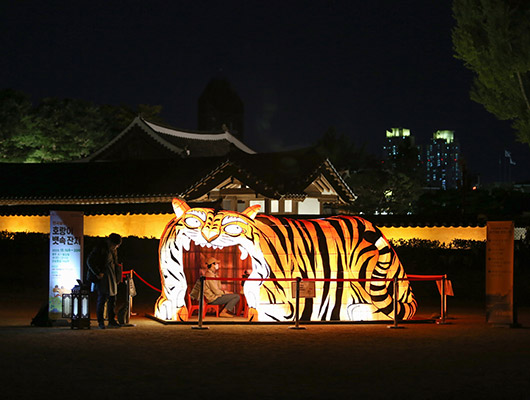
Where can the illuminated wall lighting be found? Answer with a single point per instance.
(151, 226)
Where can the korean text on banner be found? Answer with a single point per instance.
(66, 255)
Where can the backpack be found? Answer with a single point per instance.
(196, 291)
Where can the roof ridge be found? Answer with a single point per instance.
(142, 124)
(200, 136)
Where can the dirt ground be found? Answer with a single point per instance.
(465, 358)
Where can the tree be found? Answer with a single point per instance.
(492, 37)
(15, 119)
(342, 152)
(379, 189)
(383, 191)
(65, 129)
(60, 129)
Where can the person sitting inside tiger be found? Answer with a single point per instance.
(213, 292)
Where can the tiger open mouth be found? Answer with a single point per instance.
(248, 256)
(185, 239)
(198, 233)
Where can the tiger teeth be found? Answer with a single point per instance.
(186, 243)
(244, 253)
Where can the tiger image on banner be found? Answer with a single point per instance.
(339, 247)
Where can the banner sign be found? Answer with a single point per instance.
(66, 255)
(307, 289)
(448, 287)
(499, 272)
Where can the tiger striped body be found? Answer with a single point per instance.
(334, 248)
(341, 247)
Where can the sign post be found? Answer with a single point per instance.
(499, 272)
(301, 289)
(66, 255)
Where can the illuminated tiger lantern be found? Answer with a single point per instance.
(340, 247)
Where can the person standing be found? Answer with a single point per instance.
(213, 292)
(106, 273)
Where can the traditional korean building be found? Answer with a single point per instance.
(143, 140)
(127, 186)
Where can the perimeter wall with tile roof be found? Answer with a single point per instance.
(152, 226)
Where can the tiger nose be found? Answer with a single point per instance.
(209, 234)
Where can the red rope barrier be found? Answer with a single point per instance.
(409, 278)
(425, 277)
(144, 281)
(249, 279)
(345, 280)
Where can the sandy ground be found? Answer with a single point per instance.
(465, 358)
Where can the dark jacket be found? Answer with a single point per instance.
(104, 259)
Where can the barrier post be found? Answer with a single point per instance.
(201, 305)
(131, 312)
(124, 313)
(129, 297)
(443, 301)
(297, 306)
(395, 304)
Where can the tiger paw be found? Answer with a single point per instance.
(182, 314)
(164, 309)
(252, 314)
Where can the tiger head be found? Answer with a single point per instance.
(204, 227)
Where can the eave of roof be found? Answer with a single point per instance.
(138, 121)
(200, 136)
(101, 182)
(143, 181)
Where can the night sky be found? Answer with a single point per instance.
(300, 67)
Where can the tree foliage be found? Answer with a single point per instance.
(379, 188)
(484, 204)
(342, 152)
(492, 37)
(382, 190)
(59, 129)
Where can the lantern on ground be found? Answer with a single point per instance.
(76, 306)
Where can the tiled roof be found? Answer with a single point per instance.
(101, 180)
(157, 181)
(146, 140)
(198, 139)
(288, 174)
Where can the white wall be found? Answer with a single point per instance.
(310, 206)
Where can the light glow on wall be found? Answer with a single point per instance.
(442, 234)
(140, 225)
(151, 226)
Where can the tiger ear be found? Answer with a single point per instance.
(252, 211)
(180, 207)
